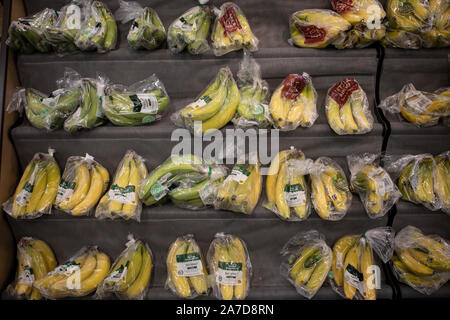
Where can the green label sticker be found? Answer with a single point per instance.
(230, 266)
(259, 109)
(189, 264)
(148, 119)
(67, 184)
(28, 187)
(125, 195)
(156, 190)
(229, 273)
(293, 187)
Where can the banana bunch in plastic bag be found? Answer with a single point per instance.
(306, 262)
(140, 103)
(37, 188)
(34, 260)
(361, 36)
(213, 108)
(231, 31)
(122, 198)
(187, 276)
(347, 108)
(147, 30)
(397, 38)
(421, 261)
(355, 275)
(294, 103)
(373, 184)
(79, 276)
(230, 267)
(129, 277)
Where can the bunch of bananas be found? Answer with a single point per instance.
(232, 31)
(77, 277)
(130, 274)
(361, 36)
(317, 28)
(122, 198)
(147, 31)
(421, 261)
(37, 188)
(347, 108)
(286, 187)
(214, 108)
(330, 192)
(34, 260)
(397, 38)
(293, 103)
(230, 267)
(83, 183)
(190, 31)
(408, 15)
(186, 271)
(442, 180)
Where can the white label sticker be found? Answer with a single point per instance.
(208, 193)
(201, 102)
(229, 273)
(23, 198)
(123, 195)
(27, 276)
(117, 275)
(149, 103)
(73, 17)
(355, 278)
(294, 195)
(65, 191)
(382, 180)
(189, 264)
(66, 269)
(239, 174)
(417, 101)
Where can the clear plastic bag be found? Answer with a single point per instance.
(138, 104)
(347, 108)
(34, 260)
(190, 31)
(316, 28)
(442, 180)
(79, 276)
(231, 31)
(213, 108)
(421, 261)
(372, 183)
(83, 182)
(187, 276)
(361, 36)
(354, 273)
(253, 108)
(230, 267)
(412, 16)
(37, 188)
(370, 12)
(294, 103)
(402, 39)
(122, 198)
(421, 108)
(130, 274)
(306, 262)
(147, 30)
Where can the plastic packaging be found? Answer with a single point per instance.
(294, 103)
(141, 103)
(122, 198)
(230, 267)
(361, 36)
(306, 262)
(190, 31)
(421, 108)
(213, 108)
(421, 261)
(147, 30)
(83, 182)
(354, 272)
(372, 183)
(231, 31)
(34, 259)
(253, 108)
(187, 276)
(129, 277)
(442, 180)
(317, 28)
(37, 188)
(79, 276)
(347, 108)
(402, 39)
(412, 16)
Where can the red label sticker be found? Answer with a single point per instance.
(229, 20)
(341, 91)
(293, 85)
(342, 6)
(312, 33)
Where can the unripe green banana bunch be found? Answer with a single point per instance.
(187, 276)
(37, 188)
(230, 266)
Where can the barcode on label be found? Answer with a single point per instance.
(417, 101)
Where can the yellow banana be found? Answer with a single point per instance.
(82, 184)
(358, 112)
(95, 278)
(298, 264)
(105, 176)
(96, 188)
(347, 118)
(221, 254)
(143, 278)
(321, 202)
(17, 209)
(46, 252)
(339, 198)
(307, 269)
(282, 181)
(121, 180)
(181, 283)
(412, 264)
(200, 282)
(334, 117)
(129, 209)
(40, 183)
(278, 107)
(319, 274)
(366, 263)
(340, 250)
(51, 189)
(351, 259)
(237, 254)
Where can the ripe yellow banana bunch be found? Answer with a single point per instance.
(230, 266)
(232, 31)
(122, 198)
(187, 276)
(347, 108)
(397, 38)
(294, 102)
(77, 277)
(361, 36)
(422, 262)
(370, 12)
(83, 183)
(316, 28)
(34, 260)
(409, 15)
(442, 180)
(130, 274)
(308, 262)
(37, 188)
(214, 108)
